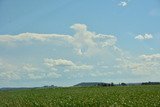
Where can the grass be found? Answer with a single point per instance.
(117, 96)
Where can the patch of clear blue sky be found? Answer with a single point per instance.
(55, 16)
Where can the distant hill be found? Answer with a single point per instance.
(24, 88)
(85, 84)
(15, 88)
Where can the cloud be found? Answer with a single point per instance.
(105, 40)
(84, 42)
(79, 27)
(123, 3)
(33, 36)
(151, 57)
(9, 75)
(53, 75)
(58, 62)
(11, 71)
(29, 68)
(89, 43)
(67, 64)
(144, 65)
(7, 71)
(144, 37)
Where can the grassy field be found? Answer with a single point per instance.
(117, 96)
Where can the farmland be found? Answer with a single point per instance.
(116, 96)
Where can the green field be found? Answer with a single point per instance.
(116, 96)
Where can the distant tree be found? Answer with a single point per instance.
(52, 86)
(112, 84)
(45, 86)
(123, 84)
(150, 83)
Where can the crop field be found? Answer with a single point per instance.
(116, 96)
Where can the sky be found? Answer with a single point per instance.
(65, 42)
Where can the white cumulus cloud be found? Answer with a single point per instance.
(79, 27)
(58, 62)
(11, 71)
(69, 65)
(144, 37)
(143, 65)
(90, 43)
(123, 3)
(151, 57)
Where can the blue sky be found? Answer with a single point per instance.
(66, 42)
